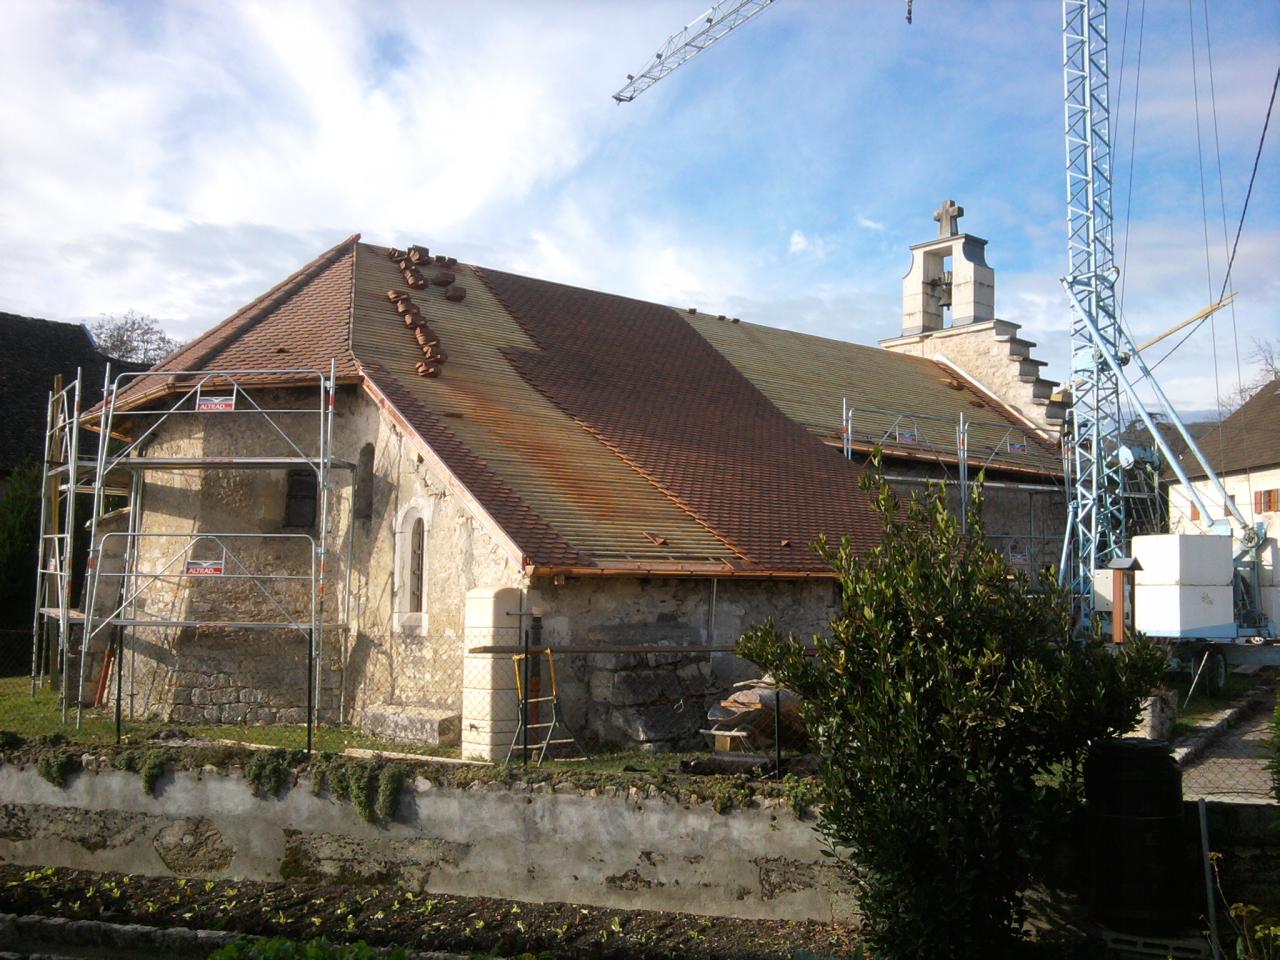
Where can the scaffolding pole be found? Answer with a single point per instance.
(208, 393)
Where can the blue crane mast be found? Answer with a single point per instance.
(1092, 448)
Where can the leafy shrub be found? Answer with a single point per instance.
(19, 542)
(269, 770)
(953, 711)
(391, 782)
(56, 765)
(154, 764)
(371, 787)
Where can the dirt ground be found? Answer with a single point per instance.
(384, 917)
(480, 926)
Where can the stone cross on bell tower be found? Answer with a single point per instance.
(949, 271)
(947, 217)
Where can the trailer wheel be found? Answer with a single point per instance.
(1215, 673)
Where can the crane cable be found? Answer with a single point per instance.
(1204, 220)
(1243, 212)
(1235, 333)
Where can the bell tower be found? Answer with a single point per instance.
(949, 315)
(948, 273)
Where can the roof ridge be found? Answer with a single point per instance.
(212, 341)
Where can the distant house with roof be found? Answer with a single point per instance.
(633, 474)
(1244, 450)
(32, 353)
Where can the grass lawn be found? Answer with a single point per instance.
(1202, 706)
(40, 715)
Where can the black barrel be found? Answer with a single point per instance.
(1133, 789)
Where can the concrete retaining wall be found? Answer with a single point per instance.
(629, 849)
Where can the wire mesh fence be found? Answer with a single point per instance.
(531, 703)
(524, 703)
(1232, 754)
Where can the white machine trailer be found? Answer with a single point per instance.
(1209, 596)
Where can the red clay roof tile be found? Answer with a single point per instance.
(650, 387)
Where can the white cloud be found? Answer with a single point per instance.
(815, 247)
(179, 159)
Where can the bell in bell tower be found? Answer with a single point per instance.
(947, 273)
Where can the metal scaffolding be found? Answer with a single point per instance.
(970, 446)
(116, 473)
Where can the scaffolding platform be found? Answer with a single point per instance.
(113, 479)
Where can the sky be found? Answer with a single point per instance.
(179, 158)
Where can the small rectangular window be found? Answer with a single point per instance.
(300, 500)
(362, 499)
(1195, 512)
(1266, 501)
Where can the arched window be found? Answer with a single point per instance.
(411, 598)
(417, 549)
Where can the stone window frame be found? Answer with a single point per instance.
(406, 619)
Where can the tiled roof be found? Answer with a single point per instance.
(650, 388)
(600, 433)
(564, 497)
(1248, 439)
(907, 405)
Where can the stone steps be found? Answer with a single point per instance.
(1029, 368)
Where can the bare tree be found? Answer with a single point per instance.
(1266, 355)
(132, 336)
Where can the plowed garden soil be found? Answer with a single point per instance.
(385, 917)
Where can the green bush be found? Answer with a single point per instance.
(953, 711)
(373, 788)
(57, 765)
(268, 771)
(154, 765)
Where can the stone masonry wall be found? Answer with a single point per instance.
(405, 679)
(659, 701)
(190, 674)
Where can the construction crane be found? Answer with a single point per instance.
(1094, 422)
(1095, 458)
(1101, 349)
(689, 41)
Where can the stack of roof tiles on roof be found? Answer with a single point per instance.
(600, 433)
